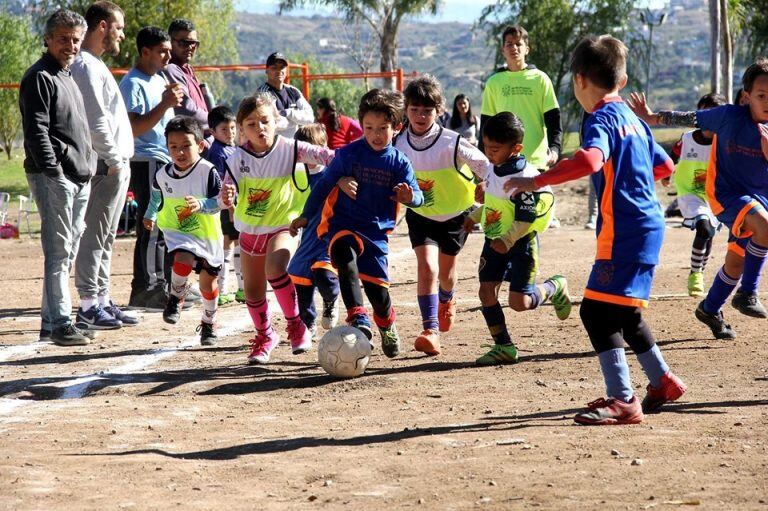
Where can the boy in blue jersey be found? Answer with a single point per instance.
(357, 227)
(737, 191)
(619, 153)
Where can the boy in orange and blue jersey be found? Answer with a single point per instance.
(619, 153)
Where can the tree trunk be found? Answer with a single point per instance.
(727, 59)
(388, 48)
(715, 37)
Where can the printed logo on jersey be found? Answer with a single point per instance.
(427, 188)
(258, 202)
(605, 271)
(168, 188)
(188, 222)
(493, 223)
(244, 169)
(528, 202)
(699, 180)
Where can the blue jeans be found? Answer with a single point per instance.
(62, 205)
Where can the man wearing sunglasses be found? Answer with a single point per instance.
(184, 45)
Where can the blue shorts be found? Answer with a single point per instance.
(519, 266)
(312, 254)
(738, 245)
(736, 211)
(372, 263)
(620, 282)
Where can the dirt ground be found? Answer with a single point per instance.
(145, 418)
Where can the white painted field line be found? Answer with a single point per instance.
(7, 352)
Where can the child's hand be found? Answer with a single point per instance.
(499, 246)
(764, 139)
(193, 205)
(551, 158)
(348, 185)
(403, 193)
(665, 181)
(520, 184)
(228, 192)
(469, 225)
(149, 224)
(638, 103)
(297, 225)
(480, 193)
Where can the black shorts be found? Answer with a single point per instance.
(200, 264)
(519, 266)
(228, 226)
(449, 236)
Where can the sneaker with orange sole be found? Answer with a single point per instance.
(670, 389)
(445, 313)
(428, 342)
(609, 412)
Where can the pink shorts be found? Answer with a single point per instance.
(256, 244)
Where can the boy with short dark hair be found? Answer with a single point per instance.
(357, 228)
(184, 204)
(619, 152)
(512, 221)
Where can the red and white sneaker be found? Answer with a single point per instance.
(611, 411)
(299, 335)
(671, 389)
(262, 346)
(445, 313)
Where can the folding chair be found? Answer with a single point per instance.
(27, 207)
(5, 200)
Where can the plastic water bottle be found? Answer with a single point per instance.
(209, 101)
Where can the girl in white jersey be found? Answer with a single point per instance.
(270, 190)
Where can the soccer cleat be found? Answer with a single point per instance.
(69, 335)
(207, 334)
(299, 335)
(498, 355)
(609, 412)
(240, 296)
(428, 342)
(445, 314)
(696, 283)
(262, 346)
(96, 318)
(715, 322)
(118, 313)
(362, 323)
(172, 311)
(225, 299)
(671, 389)
(748, 304)
(330, 314)
(390, 341)
(561, 300)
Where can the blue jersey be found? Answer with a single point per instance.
(373, 213)
(737, 164)
(630, 226)
(218, 154)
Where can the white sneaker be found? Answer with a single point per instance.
(330, 314)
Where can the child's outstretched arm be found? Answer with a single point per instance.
(313, 154)
(584, 162)
(407, 189)
(639, 105)
(150, 215)
(472, 157)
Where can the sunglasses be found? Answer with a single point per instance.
(187, 43)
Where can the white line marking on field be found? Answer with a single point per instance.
(7, 352)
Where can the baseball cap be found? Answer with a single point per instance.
(272, 59)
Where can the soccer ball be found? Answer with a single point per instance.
(344, 352)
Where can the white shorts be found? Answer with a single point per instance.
(693, 207)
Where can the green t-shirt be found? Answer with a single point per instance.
(527, 94)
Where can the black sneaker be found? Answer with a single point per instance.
(118, 313)
(715, 322)
(151, 300)
(390, 341)
(749, 304)
(45, 335)
(68, 336)
(207, 335)
(172, 311)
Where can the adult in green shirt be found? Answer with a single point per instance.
(527, 92)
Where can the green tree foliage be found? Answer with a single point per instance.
(750, 28)
(555, 27)
(19, 51)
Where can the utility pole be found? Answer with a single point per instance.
(651, 19)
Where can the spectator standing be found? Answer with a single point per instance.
(150, 101)
(112, 139)
(184, 45)
(463, 121)
(293, 108)
(340, 129)
(59, 163)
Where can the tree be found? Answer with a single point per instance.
(17, 53)
(727, 59)
(384, 17)
(357, 41)
(715, 49)
(555, 28)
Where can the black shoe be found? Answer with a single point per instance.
(207, 335)
(151, 300)
(172, 311)
(68, 336)
(715, 322)
(749, 304)
(45, 335)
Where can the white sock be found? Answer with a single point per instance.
(209, 309)
(238, 272)
(224, 273)
(87, 302)
(104, 300)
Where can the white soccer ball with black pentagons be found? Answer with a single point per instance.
(344, 352)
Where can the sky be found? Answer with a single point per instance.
(466, 11)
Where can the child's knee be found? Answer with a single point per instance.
(487, 293)
(519, 302)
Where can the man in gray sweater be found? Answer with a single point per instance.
(112, 139)
(59, 163)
